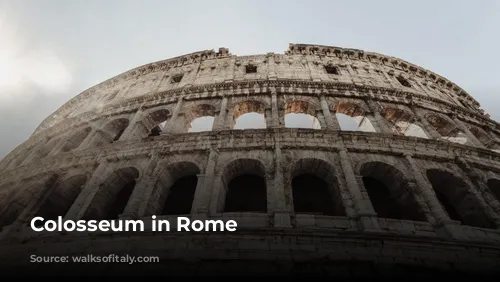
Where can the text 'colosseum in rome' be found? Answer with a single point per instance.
(332, 161)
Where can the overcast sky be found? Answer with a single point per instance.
(51, 50)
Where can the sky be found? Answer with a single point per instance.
(51, 50)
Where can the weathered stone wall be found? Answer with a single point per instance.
(82, 156)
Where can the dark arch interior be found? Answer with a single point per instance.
(383, 204)
(456, 199)
(246, 193)
(181, 195)
(494, 185)
(121, 200)
(61, 198)
(311, 195)
(389, 193)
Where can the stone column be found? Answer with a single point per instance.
(445, 226)
(46, 184)
(331, 120)
(204, 188)
(84, 199)
(220, 119)
(171, 126)
(281, 213)
(364, 210)
(138, 196)
(429, 129)
(488, 202)
(275, 117)
(380, 122)
(467, 132)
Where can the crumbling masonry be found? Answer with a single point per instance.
(416, 183)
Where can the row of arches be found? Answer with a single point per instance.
(350, 115)
(313, 186)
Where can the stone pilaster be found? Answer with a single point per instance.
(330, 119)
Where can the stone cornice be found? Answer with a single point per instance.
(223, 53)
(249, 86)
(321, 50)
(264, 139)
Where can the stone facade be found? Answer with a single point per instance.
(441, 204)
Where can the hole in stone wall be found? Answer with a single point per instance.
(250, 69)
(116, 128)
(159, 118)
(403, 81)
(249, 115)
(331, 69)
(201, 118)
(457, 200)
(181, 195)
(402, 122)
(246, 193)
(311, 195)
(176, 78)
(446, 129)
(352, 117)
(301, 114)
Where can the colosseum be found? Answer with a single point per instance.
(394, 170)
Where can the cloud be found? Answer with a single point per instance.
(27, 70)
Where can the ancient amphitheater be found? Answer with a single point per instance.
(412, 188)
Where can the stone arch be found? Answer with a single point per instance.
(174, 189)
(74, 141)
(484, 137)
(456, 198)
(446, 128)
(43, 150)
(244, 186)
(20, 198)
(255, 112)
(494, 185)
(390, 192)
(61, 197)
(154, 121)
(113, 194)
(315, 188)
(301, 114)
(200, 118)
(352, 115)
(115, 128)
(403, 121)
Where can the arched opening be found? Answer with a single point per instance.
(448, 130)
(390, 193)
(176, 187)
(113, 195)
(301, 114)
(352, 117)
(484, 138)
(19, 199)
(201, 118)
(494, 185)
(115, 128)
(456, 199)
(77, 139)
(403, 122)
(315, 189)
(245, 186)
(249, 115)
(61, 197)
(158, 118)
